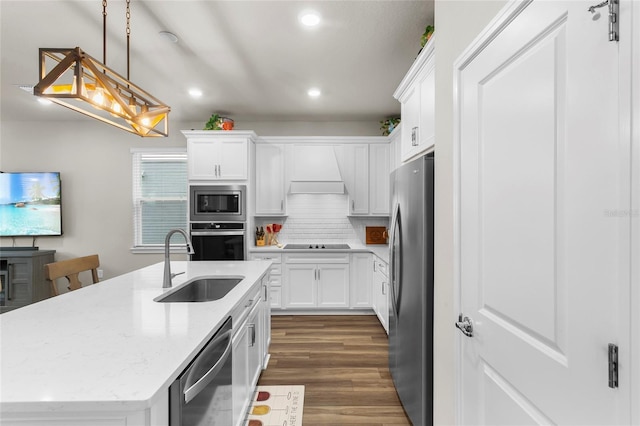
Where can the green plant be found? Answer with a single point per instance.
(214, 123)
(387, 126)
(428, 32)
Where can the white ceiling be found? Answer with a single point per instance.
(252, 59)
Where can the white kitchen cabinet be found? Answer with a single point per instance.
(365, 169)
(241, 389)
(218, 155)
(358, 157)
(255, 356)
(247, 351)
(416, 93)
(394, 148)
(275, 277)
(270, 180)
(380, 291)
(333, 285)
(360, 282)
(316, 281)
(301, 285)
(379, 164)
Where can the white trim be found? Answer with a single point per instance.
(634, 353)
(157, 149)
(325, 140)
(508, 13)
(418, 65)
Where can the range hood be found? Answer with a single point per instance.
(315, 170)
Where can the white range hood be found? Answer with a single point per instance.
(315, 170)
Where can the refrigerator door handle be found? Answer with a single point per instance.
(396, 267)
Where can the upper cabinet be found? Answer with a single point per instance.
(365, 169)
(218, 155)
(416, 93)
(271, 194)
(379, 169)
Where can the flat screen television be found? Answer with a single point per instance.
(30, 204)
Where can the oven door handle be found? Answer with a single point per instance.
(215, 233)
(203, 381)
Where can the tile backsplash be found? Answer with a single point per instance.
(322, 218)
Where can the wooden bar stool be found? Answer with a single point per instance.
(70, 269)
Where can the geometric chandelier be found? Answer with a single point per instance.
(79, 82)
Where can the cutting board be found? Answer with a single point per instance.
(376, 234)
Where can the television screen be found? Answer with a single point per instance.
(30, 204)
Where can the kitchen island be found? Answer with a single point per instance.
(106, 354)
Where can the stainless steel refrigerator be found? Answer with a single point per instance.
(411, 295)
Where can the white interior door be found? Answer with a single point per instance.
(541, 260)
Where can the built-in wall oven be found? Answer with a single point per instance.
(217, 203)
(202, 394)
(218, 240)
(217, 222)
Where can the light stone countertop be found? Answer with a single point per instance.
(110, 346)
(380, 250)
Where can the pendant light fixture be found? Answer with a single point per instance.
(72, 78)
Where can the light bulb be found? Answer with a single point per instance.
(98, 96)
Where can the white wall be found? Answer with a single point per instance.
(457, 23)
(95, 164)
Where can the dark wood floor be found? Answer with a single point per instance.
(342, 361)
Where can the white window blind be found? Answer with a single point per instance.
(159, 195)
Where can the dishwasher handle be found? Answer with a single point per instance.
(203, 381)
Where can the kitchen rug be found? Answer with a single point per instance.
(276, 406)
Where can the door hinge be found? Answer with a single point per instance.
(613, 366)
(614, 11)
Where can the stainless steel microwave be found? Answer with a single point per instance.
(217, 203)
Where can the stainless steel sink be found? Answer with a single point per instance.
(201, 290)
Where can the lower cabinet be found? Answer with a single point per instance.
(361, 275)
(275, 277)
(241, 377)
(380, 291)
(22, 280)
(251, 338)
(316, 281)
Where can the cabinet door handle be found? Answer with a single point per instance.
(252, 328)
(383, 292)
(219, 170)
(353, 205)
(9, 282)
(281, 204)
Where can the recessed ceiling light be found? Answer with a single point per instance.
(310, 18)
(314, 92)
(195, 93)
(169, 36)
(44, 101)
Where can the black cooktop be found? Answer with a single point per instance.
(318, 246)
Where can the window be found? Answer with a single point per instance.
(159, 196)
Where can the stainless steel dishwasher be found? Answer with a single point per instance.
(202, 394)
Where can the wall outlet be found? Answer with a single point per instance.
(100, 273)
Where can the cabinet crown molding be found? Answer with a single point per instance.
(418, 65)
(227, 133)
(323, 140)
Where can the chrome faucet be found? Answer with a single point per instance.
(168, 276)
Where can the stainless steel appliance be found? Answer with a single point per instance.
(314, 246)
(218, 241)
(411, 299)
(202, 394)
(217, 203)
